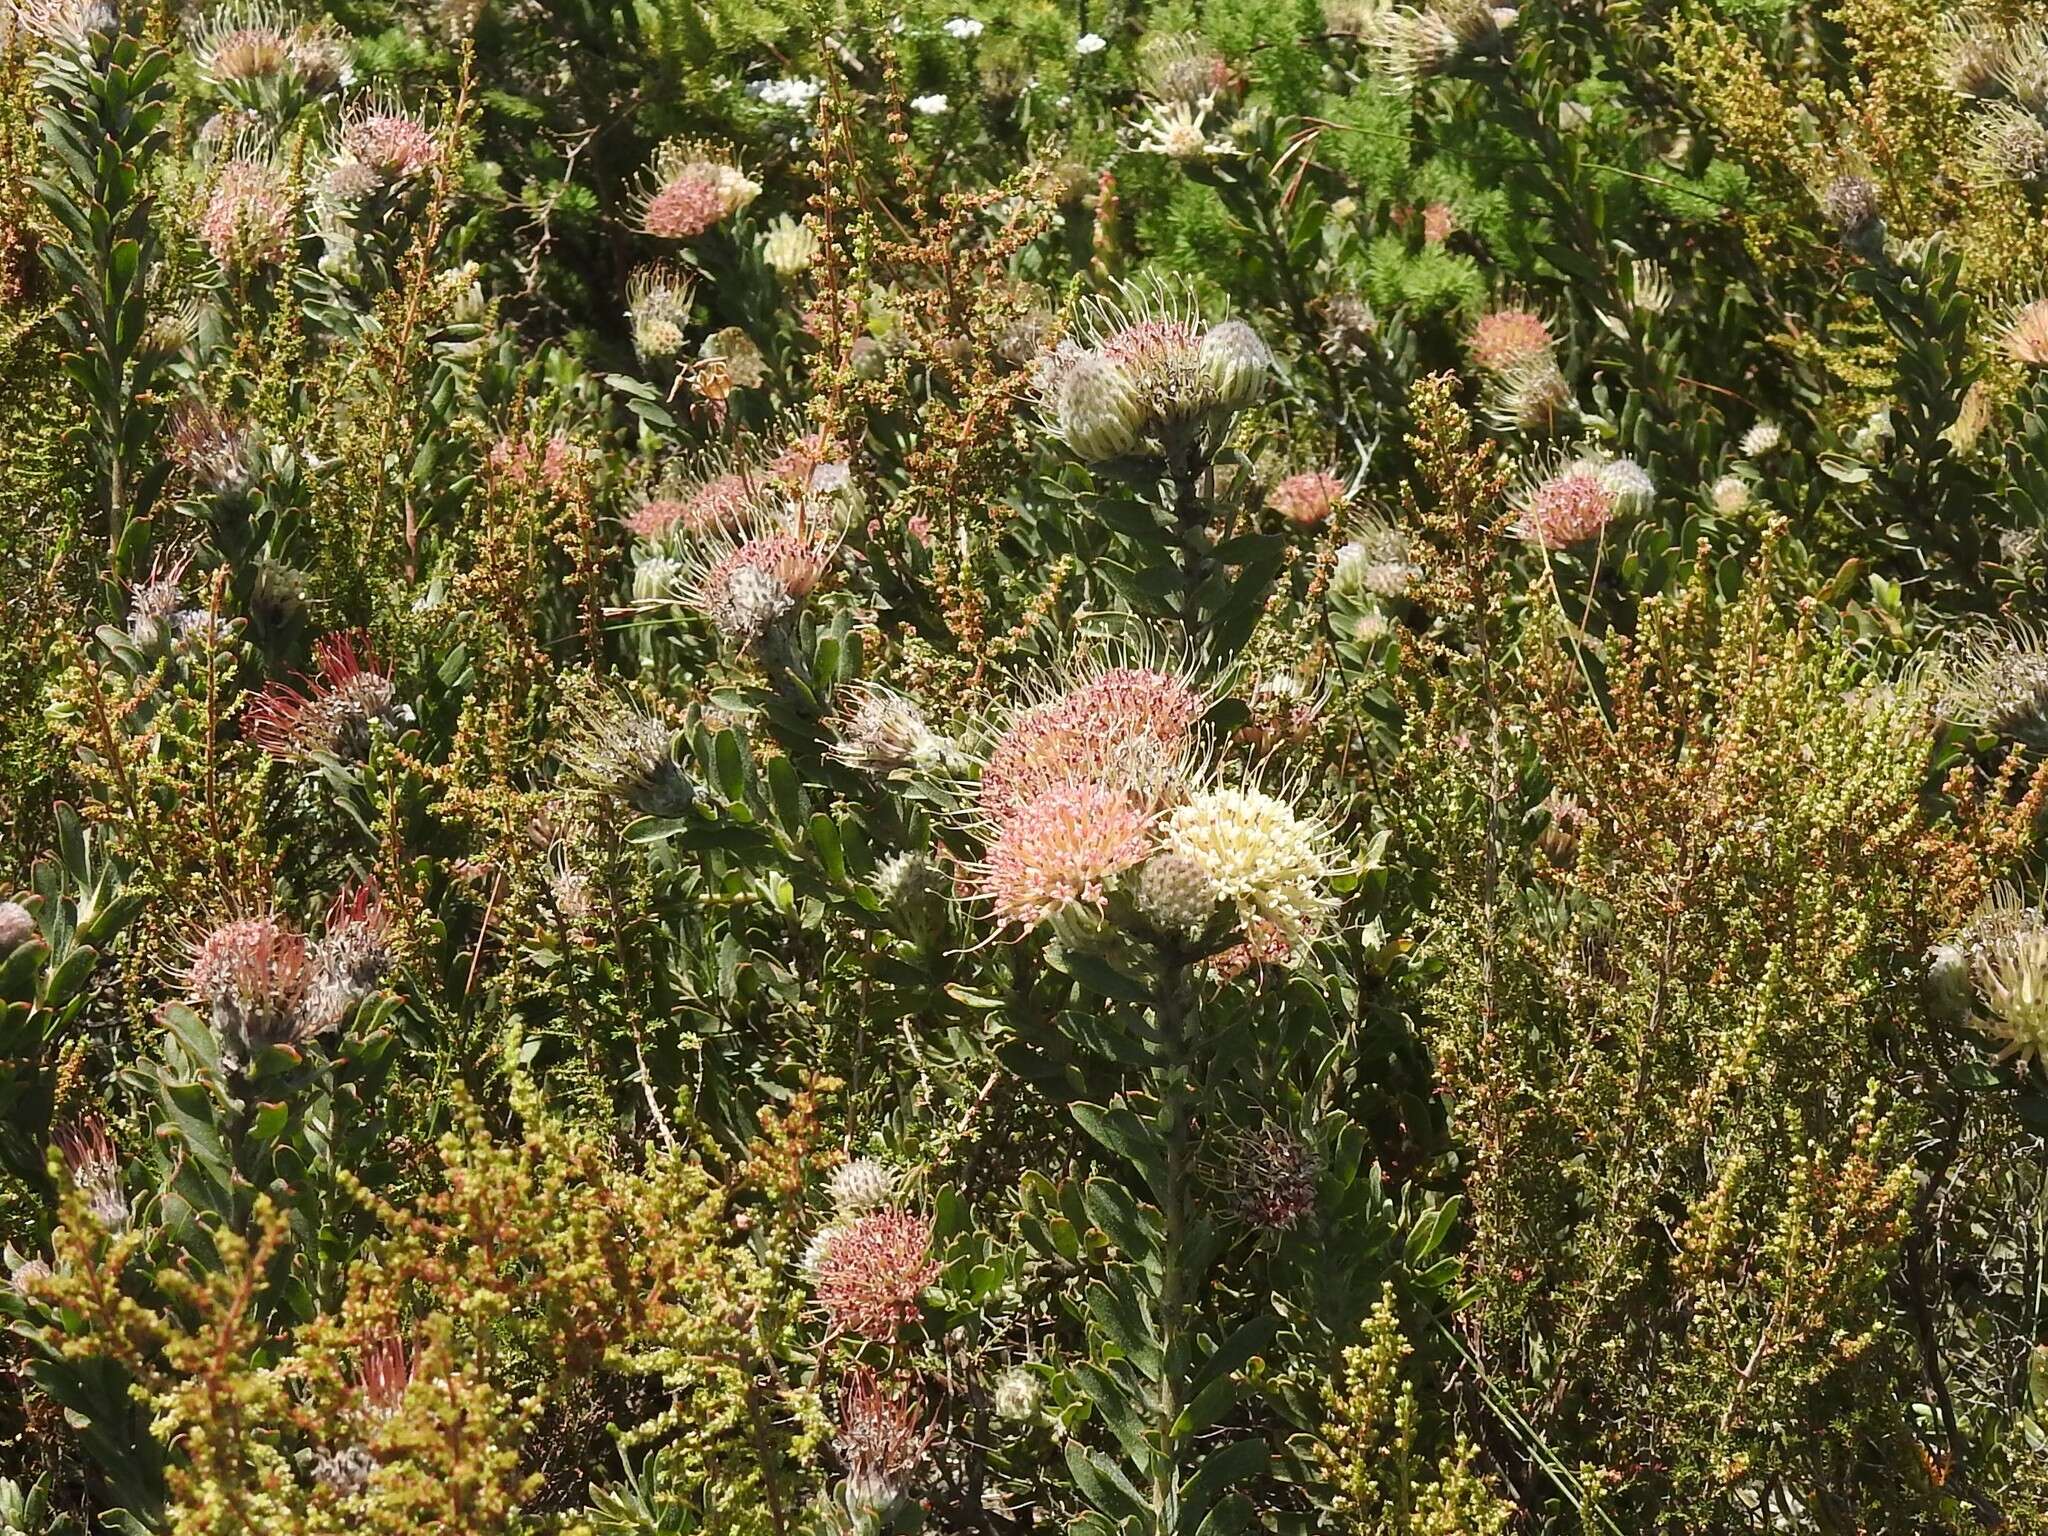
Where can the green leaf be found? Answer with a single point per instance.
(1103, 1484)
(1111, 1209)
(1115, 1307)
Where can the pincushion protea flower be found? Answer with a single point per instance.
(253, 974)
(881, 1438)
(1060, 850)
(1997, 681)
(1572, 501)
(348, 690)
(1270, 1178)
(747, 578)
(715, 503)
(881, 731)
(658, 302)
(1148, 372)
(1309, 499)
(1127, 726)
(1259, 855)
(2024, 336)
(1418, 44)
(861, 1184)
(1501, 338)
(350, 958)
(693, 186)
(619, 750)
(789, 247)
(95, 1170)
(386, 141)
(2011, 972)
(872, 1273)
(250, 217)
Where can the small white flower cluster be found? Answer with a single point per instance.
(791, 94)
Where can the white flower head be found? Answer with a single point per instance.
(964, 28)
(1259, 856)
(1090, 43)
(930, 106)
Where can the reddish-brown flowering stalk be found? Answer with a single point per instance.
(872, 1273)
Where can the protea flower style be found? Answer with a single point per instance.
(872, 1273)
(619, 750)
(881, 1439)
(348, 692)
(254, 974)
(693, 187)
(250, 218)
(383, 1375)
(861, 1185)
(1126, 726)
(1259, 855)
(658, 300)
(1309, 499)
(95, 1171)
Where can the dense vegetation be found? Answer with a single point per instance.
(777, 766)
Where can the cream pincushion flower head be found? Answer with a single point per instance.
(1260, 856)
